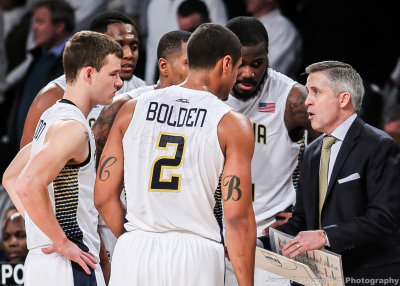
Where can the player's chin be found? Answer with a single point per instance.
(125, 75)
(242, 93)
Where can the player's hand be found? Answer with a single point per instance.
(285, 216)
(304, 241)
(74, 253)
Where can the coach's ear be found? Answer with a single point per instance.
(345, 99)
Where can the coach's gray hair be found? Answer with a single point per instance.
(343, 78)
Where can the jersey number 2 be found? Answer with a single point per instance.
(173, 183)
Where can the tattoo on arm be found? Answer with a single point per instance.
(101, 128)
(296, 117)
(105, 163)
(296, 103)
(87, 135)
(233, 183)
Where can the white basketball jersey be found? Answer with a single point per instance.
(128, 85)
(71, 193)
(173, 161)
(135, 92)
(275, 155)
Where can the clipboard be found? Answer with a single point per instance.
(316, 267)
(285, 267)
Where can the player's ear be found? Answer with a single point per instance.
(163, 66)
(87, 74)
(227, 64)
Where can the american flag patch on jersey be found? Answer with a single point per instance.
(266, 107)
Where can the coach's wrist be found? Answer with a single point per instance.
(325, 236)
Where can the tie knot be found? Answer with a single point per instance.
(328, 142)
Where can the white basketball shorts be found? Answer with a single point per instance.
(54, 269)
(166, 259)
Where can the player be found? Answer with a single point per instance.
(275, 105)
(55, 188)
(173, 67)
(181, 138)
(122, 29)
(172, 61)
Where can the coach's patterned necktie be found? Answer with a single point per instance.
(323, 172)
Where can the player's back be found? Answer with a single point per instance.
(172, 162)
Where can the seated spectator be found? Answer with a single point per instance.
(392, 122)
(53, 23)
(14, 28)
(14, 238)
(372, 105)
(16, 22)
(5, 205)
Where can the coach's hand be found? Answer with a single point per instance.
(74, 253)
(304, 241)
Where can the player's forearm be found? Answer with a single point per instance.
(36, 202)
(112, 212)
(9, 185)
(240, 241)
(8, 182)
(11, 174)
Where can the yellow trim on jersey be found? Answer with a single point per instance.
(171, 176)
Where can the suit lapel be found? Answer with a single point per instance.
(348, 144)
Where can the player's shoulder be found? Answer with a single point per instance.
(61, 82)
(131, 84)
(234, 120)
(276, 84)
(298, 93)
(235, 131)
(276, 76)
(126, 111)
(140, 90)
(64, 129)
(47, 96)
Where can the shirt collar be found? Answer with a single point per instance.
(57, 50)
(340, 132)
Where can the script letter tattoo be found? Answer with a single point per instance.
(104, 174)
(233, 183)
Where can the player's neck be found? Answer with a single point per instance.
(74, 94)
(199, 80)
(162, 83)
